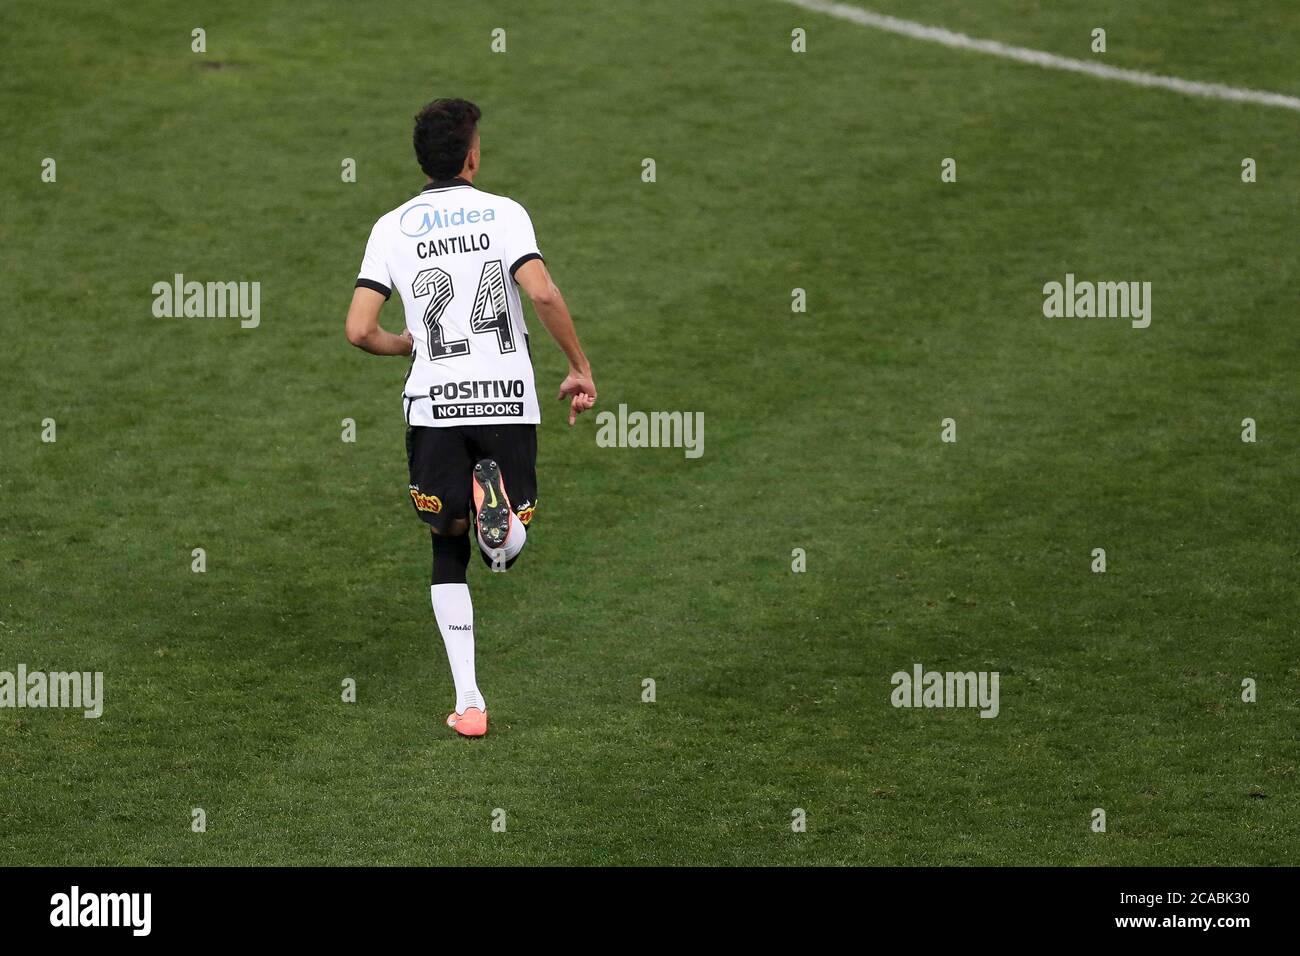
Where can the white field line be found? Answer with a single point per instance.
(1048, 61)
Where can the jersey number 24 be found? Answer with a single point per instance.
(491, 312)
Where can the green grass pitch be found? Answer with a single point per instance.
(775, 170)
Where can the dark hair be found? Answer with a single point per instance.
(443, 132)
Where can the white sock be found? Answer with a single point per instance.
(514, 542)
(454, 612)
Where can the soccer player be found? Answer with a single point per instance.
(456, 255)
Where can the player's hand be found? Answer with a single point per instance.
(579, 388)
(410, 342)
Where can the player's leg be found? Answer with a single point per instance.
(505, 490)
(454, 611)
(439, 462)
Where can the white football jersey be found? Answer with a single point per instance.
(451, 252)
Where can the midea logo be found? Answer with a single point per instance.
(421, 219)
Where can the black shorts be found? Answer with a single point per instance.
(442, 460)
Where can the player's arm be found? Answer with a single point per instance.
(534, 278)
(362, 326)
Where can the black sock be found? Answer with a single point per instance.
(450, 558)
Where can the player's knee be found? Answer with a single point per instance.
(454, 529)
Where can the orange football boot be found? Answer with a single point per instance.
(491, 506)
(472, 723)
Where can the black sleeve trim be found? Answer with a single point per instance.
(374, 286)
(522, 259)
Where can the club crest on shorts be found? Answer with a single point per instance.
(430, 503)
(525, 512)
